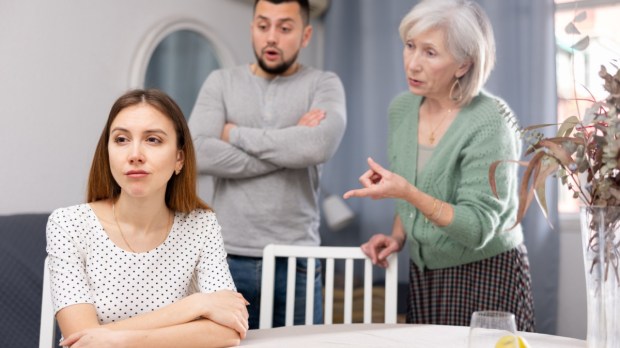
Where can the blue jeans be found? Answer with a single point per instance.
(246, 273)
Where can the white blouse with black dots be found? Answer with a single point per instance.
(87, 267)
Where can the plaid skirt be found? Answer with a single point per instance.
(449, 296)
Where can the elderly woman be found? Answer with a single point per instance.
(444, 134)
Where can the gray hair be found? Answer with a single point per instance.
(468, 33)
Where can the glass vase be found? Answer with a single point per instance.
(600, 236)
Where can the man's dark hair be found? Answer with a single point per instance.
(304, 6)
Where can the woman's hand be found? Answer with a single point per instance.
(98, 338)
(227, 308)
(379, 247)
(380, 183)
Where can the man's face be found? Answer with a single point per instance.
(278, 34)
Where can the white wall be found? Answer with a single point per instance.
(62, 65)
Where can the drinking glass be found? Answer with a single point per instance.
(492, 329)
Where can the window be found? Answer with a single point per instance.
(577, 71)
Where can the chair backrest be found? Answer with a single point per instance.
(22, 255)
(330, 254)
(48, 321)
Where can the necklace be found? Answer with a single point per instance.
(123, 235)
(431, 138)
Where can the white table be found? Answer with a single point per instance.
(383, 336)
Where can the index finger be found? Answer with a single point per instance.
(68, 341)
(314, 113)
(387, 251)
(365, 192)
(369, 251)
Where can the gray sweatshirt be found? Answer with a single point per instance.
(266, 183)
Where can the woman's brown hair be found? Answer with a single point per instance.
(181, 193)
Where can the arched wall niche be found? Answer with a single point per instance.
(176, 56)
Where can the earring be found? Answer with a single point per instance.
(457, 83)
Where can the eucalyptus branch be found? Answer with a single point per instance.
(576, 182)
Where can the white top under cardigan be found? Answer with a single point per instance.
(87, 267)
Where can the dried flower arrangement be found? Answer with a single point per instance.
(585, 156)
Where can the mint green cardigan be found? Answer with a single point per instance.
(458, 173)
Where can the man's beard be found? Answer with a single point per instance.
(278, 69)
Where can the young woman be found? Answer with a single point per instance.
(142, 264)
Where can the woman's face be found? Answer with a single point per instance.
(143, 151)
(430, 67)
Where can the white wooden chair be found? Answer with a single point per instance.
(329, 254)
(48, 321)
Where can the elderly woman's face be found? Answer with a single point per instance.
(430, 67)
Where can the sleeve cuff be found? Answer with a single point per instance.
(463, 235)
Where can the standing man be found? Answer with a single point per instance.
(263, 130)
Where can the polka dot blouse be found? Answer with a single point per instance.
(87, 267)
